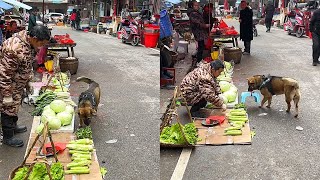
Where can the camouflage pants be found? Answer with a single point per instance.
(12, 110)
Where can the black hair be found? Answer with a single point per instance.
(40, 32)
(217, 64)
(243, 1)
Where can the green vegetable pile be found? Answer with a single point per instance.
(43, 100)
(103, 171)
(39, 172)
(173, 134)
(240, 106)
(81, 151)
(84, 133)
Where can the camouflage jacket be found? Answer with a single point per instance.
(200, 84)
(15, 64)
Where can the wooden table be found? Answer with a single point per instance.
(62, 47)
(234, 39)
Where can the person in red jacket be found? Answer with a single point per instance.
(73, 19)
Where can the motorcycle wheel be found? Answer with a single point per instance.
(289, 32)
(300, 32)
(135, 41)
(123, 40)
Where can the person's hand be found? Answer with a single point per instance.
(29, 88)
(224, 107)
(239, 20)
(207, 25)
(7, 101)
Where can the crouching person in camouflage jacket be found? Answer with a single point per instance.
(200, 87)
(16, 60)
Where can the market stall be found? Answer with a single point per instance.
(56, 150)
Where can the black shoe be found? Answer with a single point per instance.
(20, 129)
(9, 140)
(166, 73)
(314, 64)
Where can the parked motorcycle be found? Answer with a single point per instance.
(130, 31)
(294, 23)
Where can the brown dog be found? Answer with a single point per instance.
(272, 85)
(88, 101)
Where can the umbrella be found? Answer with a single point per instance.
(5, 6)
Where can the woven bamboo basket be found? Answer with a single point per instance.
(232, 54)
(69, 64)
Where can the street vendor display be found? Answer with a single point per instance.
(16, 72)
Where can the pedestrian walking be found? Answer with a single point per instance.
(315, 29)
(16, 73)
(73, 19)
(78, 19)
(198, 28)
(269, 11)
(246, 24)
(32, 19)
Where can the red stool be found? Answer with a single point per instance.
(164, 82)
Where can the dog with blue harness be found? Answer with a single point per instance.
(274, 85)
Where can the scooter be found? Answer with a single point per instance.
(130, 31)
(294, 24)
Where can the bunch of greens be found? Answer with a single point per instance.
(240, 106)
(21, 173)
(57, 171)
(191, 133)
(43, 100)
(84, 133)
(39, 172)
(173, 134)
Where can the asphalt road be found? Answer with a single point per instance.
(129, 109)
(278, 151)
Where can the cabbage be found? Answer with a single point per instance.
(69, 109)
(47, 107)
(225, 86)
(228, 65)
(54, 123)
(39, 129)
(233, 88)
(65, 118)
(58, 106)
(47, 113)
(230, 95)
(225, 99)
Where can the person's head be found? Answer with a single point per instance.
(195, 5)
(39, 36)
(206, 9)
(243, 4)
(217, 67)
(13, 25)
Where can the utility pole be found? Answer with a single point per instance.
(43, 11)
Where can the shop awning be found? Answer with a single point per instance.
(18, 4)
(5, 6)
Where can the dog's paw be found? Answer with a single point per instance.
(268, 106)
(287, 110)
(296, 116)
(260, 106)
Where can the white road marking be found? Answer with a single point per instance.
(182, 164)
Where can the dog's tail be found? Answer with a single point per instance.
(84, 79)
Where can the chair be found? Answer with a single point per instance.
(178, 43)
(164, 82)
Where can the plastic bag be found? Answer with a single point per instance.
(222, 24)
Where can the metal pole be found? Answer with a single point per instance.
(43, 11)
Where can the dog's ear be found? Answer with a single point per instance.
(93, 112)
(262, 76)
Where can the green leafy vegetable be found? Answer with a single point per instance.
(39, 172)
(84, 133)
(21, 173)
(173, 134)
(57, 171)
(103, 171)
